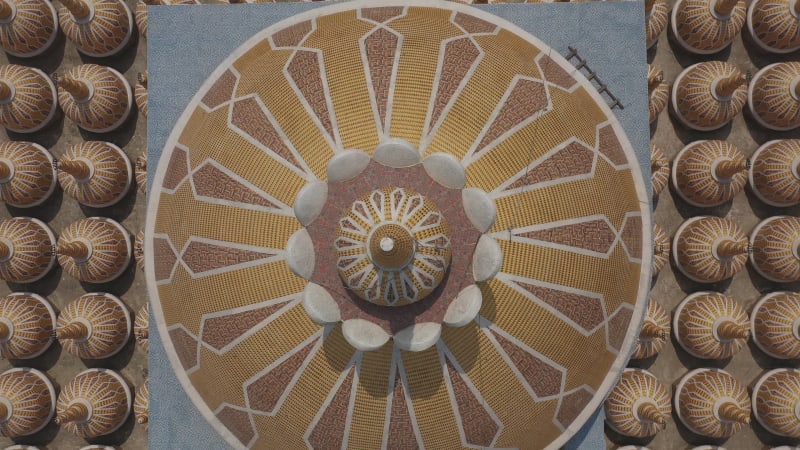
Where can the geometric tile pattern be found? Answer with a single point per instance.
(433, 77)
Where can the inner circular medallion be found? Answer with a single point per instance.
(392, 247)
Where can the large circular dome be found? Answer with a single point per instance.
(398, 226)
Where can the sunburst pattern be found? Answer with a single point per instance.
(654, 333)
(94, 249)
(710, 325)
(94, 403)
(141, 327)
(94, 326)
(141, 404)
(707, 26)
(659, 169)
(28, 247)
(27, 322)
(774, 96)
(98, 28)
(776, 325)
(776, 402)
(655, 20)
(31, 30)
(138, 249)
(658, 91)
(108, 103)
(638, 406)
(99, 174)
(28, 101)
(709, 173)
(709, 249)
(27, 174)
(662, 248)
(436, 79)
(775, 174)
(712, 403)
(140, 93)
(776, 248)
(774, 26)
(703, 101)
(27, 400)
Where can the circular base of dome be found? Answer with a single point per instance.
(752, 183)
(128, 180)
(756, 40)
(754, 398)
(753, 316)
(51, 114)
(125, 41)
(673, 24)
(50, 39)
(752, 111)
(124, 116)
(751, 256)
(674, 178)
(52, 262)
(52, 187)
(674, 105)
(51, 389)
(53, 317)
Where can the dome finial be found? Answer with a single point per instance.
(5, 10)
(651, 331)
(729, 248)
(78, 169)
(78, 89)
(73, 330)
(726, 86)
(5, 171)
(729, 329)
(733, 413)
(5, 89)
(74, 249)
(3, 409)
(728, 168)
(654, 78)
(78, 8)
(74, 412)
(4, 250)
(649, 411)
(725, 7)
(5, 333)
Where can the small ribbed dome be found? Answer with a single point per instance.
(661, 250)
(140, 169)
(94, 326)
(709, 249)
(138, 249)
(96, 98)
(776, 325)
(659, 169)
(27, 99)
(776, 249)
(707, 26)
(654, 333)
(98, 28)
(27, 27)
(27, 176)
(774, 96)
(776, 402)
(94, 403)
(639, 405)
(141, 11)
(141, 404)
(775, 24)
(27, 398)
(26, 249)
(96, 174)
(94, 249)
(712, 403)
(658, 91)
(710, 325)
(775, 172)
(708, 95)
(709, 173)
(141, 327)
(140, 93)
(27, 322)
(656, 13)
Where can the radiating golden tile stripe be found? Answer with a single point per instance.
(221, 222)
(557, 342)
(432, 405)
(262, 73)
(574, 114)
(217, 383)
(500, 387)
(307, 396)
(615, 278)
(346, 78)
(227, 291)
(483, 92)
(417, 69)
(586, 198)
(210, 137)
(366, 429)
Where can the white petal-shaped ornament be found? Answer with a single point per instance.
(320, 305)
(396, 153)
(446, 170)
(310, 201)
(364, 335)
(300, 254)
(418, 337)
(465, 307)
(479, 208)
(347, 164)
(487, 259)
